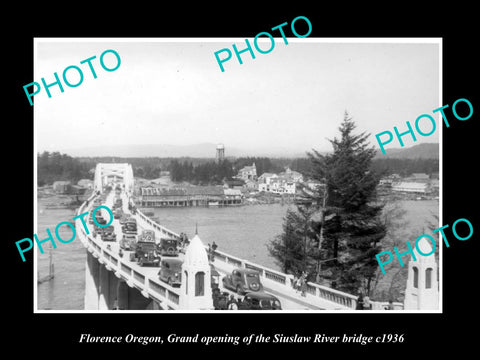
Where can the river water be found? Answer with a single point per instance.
(240, 231)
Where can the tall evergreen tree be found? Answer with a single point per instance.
(294, 249)
(352, 230)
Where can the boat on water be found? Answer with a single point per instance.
(213, 203)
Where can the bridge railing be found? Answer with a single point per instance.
(163, 230)
(149, 287)
(156, 290)
(320, 291)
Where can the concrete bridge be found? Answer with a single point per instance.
(112, 281)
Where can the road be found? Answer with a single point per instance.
(288, 301)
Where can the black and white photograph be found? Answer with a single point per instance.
(260, 187)
(220, 181)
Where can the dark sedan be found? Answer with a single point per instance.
(259, 301)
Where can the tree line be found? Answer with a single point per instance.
(213, 173)
(383, 166)
(210, 173)
(53, 166)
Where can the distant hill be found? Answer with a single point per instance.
(207, 150)
(203, 150)
(420, 151)
(145, 150)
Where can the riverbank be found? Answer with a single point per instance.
(52, 200)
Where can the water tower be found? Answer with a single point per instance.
(220, 156)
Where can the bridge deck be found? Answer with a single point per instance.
(138, 276)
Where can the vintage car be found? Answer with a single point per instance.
(100, 220)
(259, 301)
(118, 213)
(145, 253)
(171, 271)
(127, 241)
(243, 280)
(132, 208)
(109, 237)
(118, 204)
(130, 227)
(108, 234)
(168, 247)
(97, 202)
(124, 219)
(147, 236)
(97, 230)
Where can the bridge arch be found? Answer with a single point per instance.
(106, 173)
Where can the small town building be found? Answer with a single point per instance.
(234, 184)
(248, 172)
(189, 196)
(233, 194)
(284, 183)
(266, 177)
(85, 183)
(264, 187)
(410, 187)
(251, 185)
(77, 190)
(289, 187)
(62, 187)
(388, 180)
(292, 175)
(418, 177)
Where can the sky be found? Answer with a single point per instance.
(172, 91)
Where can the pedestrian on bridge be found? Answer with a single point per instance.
(359, 302)
(367, 304)
(214, 247)
(232, 303)
(303, 283)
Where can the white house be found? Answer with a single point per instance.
(290, 187)
(248, 172)
(263, 187)
(266, 178)
(292, 175)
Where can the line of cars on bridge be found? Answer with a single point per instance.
(106, 233)
(145, 251)
(165, 254)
